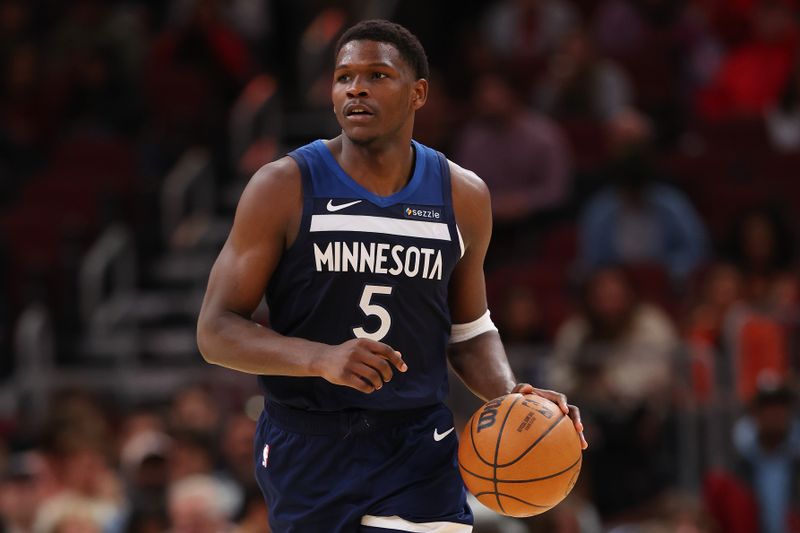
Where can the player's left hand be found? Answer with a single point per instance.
(561, 401)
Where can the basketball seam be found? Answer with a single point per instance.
(497, 447)
(513, 498)
(537, 441)
(472, 440)
(531, 480)
(525, 501)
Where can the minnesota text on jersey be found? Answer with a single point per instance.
(379, 258)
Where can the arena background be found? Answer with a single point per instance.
(643, 157)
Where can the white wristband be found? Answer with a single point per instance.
(464, 332)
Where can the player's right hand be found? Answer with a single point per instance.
(362, 364)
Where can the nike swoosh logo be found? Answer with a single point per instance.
(439, 436)
(332, 208)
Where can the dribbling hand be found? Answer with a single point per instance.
(561, 401)
(361, 364)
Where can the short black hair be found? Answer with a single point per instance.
(384, 31)
(773, 394)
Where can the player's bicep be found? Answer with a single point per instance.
(467, 290)
(238, 278)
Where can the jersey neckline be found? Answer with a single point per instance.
(362, 192)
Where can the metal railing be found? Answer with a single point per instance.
(188, 190)
(108, 269)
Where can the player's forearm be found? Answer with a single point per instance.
(232, 341)
(482, 365)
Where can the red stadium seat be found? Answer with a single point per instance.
(761, 348)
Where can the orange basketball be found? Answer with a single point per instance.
(519, 455)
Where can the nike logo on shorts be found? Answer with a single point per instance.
(439, 436)
(333, 208)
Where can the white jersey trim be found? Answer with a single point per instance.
(460, 240)
(400, 524)
(383, 225)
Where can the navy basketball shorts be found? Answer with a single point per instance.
(361, 472)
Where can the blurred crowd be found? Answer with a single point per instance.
(642, 157)
(186, 466)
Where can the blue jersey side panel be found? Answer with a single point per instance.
(366, 265)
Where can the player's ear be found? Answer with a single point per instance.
(419, 93)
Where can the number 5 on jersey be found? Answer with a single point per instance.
(374, 309)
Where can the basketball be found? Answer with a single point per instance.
(520, 456)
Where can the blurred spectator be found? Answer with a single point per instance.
(237, 449)
(616, 346)
(85, 491)
(705, 49)
(523, 32)
(194, 408)
(140, 420)
(89, 493)
(525, 337)
(782, 301)
(580, 84)
(758, 348)
(191, 453)
(520, 319)
(143, 459)
(637, 219)
(720, 288)
(199, 504)
(768, 442)
(79, 518)
(761, 336)
(522, 156)
(720, 291)
(20, 492)
(752, 76)
(762, 245)
(764, 483)
(618, 28)
(615, 359)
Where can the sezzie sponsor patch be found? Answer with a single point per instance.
(423, 212)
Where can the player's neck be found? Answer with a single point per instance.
(382, 168)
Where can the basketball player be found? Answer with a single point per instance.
(370, 248)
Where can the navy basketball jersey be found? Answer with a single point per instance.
(369, 266)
